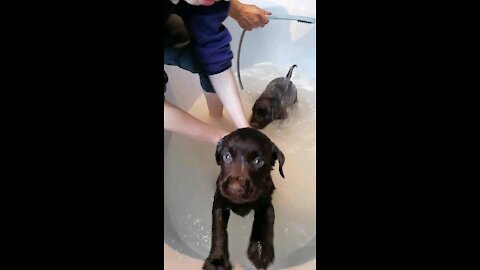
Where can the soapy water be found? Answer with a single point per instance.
(191, 172)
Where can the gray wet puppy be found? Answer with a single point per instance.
(272, 104)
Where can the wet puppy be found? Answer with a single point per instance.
(274, 101)
(246, 158)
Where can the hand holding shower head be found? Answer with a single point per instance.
(300, 19)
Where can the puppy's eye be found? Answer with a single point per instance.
(227, 157)
(258, 162)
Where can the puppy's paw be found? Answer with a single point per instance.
(217, 263)
(261, 254)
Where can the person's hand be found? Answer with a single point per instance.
(248, 16)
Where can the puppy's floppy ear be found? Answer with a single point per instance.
(277, 154)
(219, 148)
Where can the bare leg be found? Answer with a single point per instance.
(215, 106)
(224, 85)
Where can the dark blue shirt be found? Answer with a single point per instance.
(210, 38)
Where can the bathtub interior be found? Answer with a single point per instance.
(281, 43)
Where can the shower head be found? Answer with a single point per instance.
(302, 19)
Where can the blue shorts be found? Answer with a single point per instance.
(184, 58)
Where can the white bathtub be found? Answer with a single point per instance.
(283, 42)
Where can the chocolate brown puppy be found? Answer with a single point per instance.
(246, 158)
(274, 101)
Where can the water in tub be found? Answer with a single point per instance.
(191, 172)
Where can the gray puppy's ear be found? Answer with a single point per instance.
(277, 154)
(218, 149)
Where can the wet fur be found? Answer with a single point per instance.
(272, 104)
(244, 146)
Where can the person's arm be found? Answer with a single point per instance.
(248, 16)
(179, 121)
